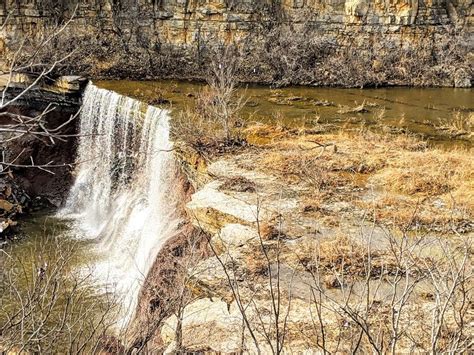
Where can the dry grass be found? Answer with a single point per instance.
(400, 180)
(238, 184)
(256, 263)
(403, 175)
(430, 173)
(330, 161)
(262, 134)
(269, 232)
(413, 213)
(431, 188)
(204, 135)
(460, 124)
(191, 127)
(297, 166)
(339, 254)
(342, 254)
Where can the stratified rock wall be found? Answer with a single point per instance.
(156, 38)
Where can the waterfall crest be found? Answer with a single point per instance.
(123, 198)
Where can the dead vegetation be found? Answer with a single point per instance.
(428, 173)
(238, 184)
(460, 125)
(339, 254)
(294, 55)
(378, 291)
(369, 170)
(381, 297)
(219, 101)
(50, 307)
(214, 125)
(276, 52)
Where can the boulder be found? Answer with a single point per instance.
(6, 206)
(214, 326)
(208, 324)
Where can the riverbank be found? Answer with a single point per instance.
(312, 223)
(348, 44)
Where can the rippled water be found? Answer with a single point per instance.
(418, 110)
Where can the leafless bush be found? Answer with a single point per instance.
(47, 307)
(277, 50)
(289, 54)
(404, 301)
(34, 62)
(213, 124)
(222, 103)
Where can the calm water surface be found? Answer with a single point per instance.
(417, 110)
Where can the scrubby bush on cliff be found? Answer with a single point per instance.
(221, 102)
(292, 54)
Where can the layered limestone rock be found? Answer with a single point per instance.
(280, 238)
(238, 219)
(188, 22)
(64, 91)
(172, 37)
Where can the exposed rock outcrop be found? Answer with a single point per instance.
(36, 171)
(288, 42)
(304, 231)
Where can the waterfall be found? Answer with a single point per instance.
(122, 198)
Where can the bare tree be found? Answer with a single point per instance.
(46, 307)
(27, 71)
(223, 103)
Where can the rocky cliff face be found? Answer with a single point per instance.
(272, 235)
(286, 41)
(36, 172)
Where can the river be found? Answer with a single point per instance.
(120, 209)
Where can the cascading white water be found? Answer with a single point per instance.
(122, 197)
